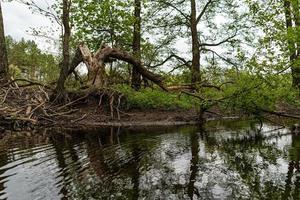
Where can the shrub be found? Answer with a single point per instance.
(156, 99)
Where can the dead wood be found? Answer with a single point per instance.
(96, 67)
(280, 114)
(30, 106)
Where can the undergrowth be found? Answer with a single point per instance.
(148, 98)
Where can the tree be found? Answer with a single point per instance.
(3, 51)
(65, 68)
(66, 33)
(292, 19)
(108, 22)
(185, 17)
(279, 24)
(136, 44)
(96, 67)
(26, 60)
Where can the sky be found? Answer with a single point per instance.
(18, 21)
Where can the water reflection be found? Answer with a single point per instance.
(224, 160)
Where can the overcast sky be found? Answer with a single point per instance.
(18, 20)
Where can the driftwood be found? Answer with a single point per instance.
(30, 106)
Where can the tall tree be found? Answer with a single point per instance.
(136, 44)
(107, 22)
(279, 21)
(3, 51)
(196, 22)
(30, 62)
(195, 70)
(66, 33)
(66, 8)
(291, 8)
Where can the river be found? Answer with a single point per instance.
(223, 160)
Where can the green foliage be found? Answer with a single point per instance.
(26, 60)
(108, 22)
(156, 99)
(253, 59)
(252, 92)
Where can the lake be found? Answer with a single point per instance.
(222, 160)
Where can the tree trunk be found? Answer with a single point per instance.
(136, 78)
(96, 67)
(64, 72)
(96, 62)
(293, 47)
(67, 33)
(195, 69)
(296, 65)
(3, 51)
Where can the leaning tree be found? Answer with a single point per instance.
(95, 62)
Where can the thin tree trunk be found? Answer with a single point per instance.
(3, 51)
(67, 33)
(60, 87)
(195, 69)
(291, 44)
(296, 66)
(136, 78)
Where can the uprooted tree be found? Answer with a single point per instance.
(95, 63)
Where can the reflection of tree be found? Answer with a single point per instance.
(251, 156)
(104, 164)
(194, 165)
(95, 143)
(114, 163)
(136, 154)
(58, 143)
(293, 170)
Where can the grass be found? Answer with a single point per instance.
(149, 98)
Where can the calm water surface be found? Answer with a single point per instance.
(224, 160)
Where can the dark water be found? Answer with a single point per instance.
(224, 160)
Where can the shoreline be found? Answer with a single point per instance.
(87, 118)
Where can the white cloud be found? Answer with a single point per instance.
(18, 19)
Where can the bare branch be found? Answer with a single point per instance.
(46, 12)
(186, 63)
(221, 57)
(177, 9)
(221, 42)
(203, 11)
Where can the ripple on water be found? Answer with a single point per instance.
(226, 162)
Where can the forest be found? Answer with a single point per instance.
(149, 99)
(129, 59)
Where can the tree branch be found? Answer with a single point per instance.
(203, 11)
(177, 9)
(221, 42)
(186, 63)
(221, 57)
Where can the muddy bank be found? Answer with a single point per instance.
(31, 107)
(91, 118)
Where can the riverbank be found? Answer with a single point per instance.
(30, 107)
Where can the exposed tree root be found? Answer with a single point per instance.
(23, 107)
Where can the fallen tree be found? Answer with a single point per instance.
(96, 67)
